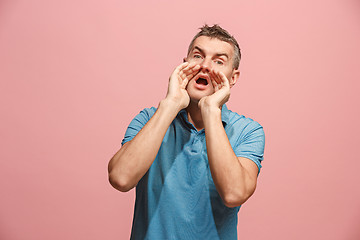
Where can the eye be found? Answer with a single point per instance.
(219, 62)
(197, 56)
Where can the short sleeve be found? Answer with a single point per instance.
(251, 143)
(138, 123)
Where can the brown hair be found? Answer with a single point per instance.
(218, 32)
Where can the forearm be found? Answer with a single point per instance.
(134, 158)
(231, 178)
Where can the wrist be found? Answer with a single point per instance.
(206, 106)
(210, 110)
(171, 105)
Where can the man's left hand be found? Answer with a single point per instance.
(221, 91)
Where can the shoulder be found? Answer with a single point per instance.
(137, 123)
(247, 137)
(144, 115)
(148, 111)
(242, 123)
(241, 129)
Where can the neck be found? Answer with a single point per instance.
(194, 115)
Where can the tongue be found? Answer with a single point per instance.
(201, 81)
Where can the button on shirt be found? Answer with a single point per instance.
(177, 198)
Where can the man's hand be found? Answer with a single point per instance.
(178, 82)
(222, 91)
(135, 157)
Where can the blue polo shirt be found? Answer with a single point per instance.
(177, 198)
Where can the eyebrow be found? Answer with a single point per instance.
(218, 54)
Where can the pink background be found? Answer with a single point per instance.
(74, 73)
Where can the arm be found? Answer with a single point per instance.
(234, 177)
(135, 157)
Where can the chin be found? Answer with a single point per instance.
(195, 96)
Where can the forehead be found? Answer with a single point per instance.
(213, 46)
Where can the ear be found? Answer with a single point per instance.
(235, 76)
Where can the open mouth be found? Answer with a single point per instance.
(202, 81)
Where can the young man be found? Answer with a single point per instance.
(193, 161)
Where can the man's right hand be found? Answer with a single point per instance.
(135, 157)
(178, 81)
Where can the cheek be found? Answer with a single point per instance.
(229, 76)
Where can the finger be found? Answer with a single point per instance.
(191, 69)
(184, 83)
(193, 73)
(183, 77)
(186, 77)
(216, 81)
(189, 65)
(225, 80)
(215, 85)
(181, 67)
(222, 79)
(178, 69)
(186, 74)
(183, 71)
(215, 77)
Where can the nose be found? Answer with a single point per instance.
(206, 65)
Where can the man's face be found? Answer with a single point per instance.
(210, 54)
